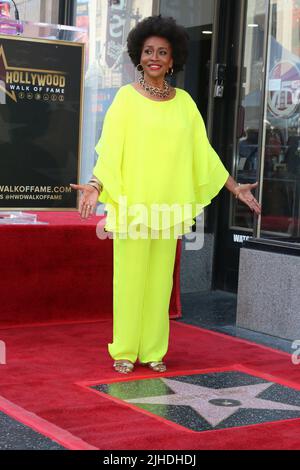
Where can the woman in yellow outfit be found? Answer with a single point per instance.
(155, 172)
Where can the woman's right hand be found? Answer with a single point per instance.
(88, 200)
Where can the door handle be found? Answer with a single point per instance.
(241, 122)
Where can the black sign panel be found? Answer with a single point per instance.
(40, 122)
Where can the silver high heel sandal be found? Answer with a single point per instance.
(158, 366)
(123, 366)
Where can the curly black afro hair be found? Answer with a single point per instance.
(163, 27)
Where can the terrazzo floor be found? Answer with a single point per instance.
(216, 310)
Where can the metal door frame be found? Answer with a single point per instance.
(228, 45)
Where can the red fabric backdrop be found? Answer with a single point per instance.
(60, 272)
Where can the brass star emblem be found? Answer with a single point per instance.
(3, 68)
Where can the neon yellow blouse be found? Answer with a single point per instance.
(155, 155)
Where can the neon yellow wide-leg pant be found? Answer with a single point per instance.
(142, 286)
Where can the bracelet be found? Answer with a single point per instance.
(94, 186)
(97, 182)
(237, 194)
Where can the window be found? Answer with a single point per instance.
(281, 178)
(279, 130)
(108, 66)
(44, 11)
(250, 105)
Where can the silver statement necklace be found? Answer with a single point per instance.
(155, 91)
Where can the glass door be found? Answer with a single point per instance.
(268, 124)
(266, 144)
(240, 130)
(197, 16)
(249, 110)
(280, 169)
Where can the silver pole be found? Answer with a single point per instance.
(262, 125)
(156, 7)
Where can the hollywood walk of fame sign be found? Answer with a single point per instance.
(41, 88)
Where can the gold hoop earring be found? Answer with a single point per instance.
(139, 72)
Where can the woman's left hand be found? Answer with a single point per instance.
(244, 194)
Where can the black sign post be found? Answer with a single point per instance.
(41, 101)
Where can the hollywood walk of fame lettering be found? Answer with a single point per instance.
(28, 78)
(55, 90)
(21, 79)
(19, 88)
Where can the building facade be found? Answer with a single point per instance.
(244, 73)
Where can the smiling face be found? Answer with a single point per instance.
(156, 58)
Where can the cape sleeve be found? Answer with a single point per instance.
(108, 168)
(210, 175)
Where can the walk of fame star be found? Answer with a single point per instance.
(202, 402)
(215, 405)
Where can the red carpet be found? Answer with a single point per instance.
(46, 366)
(60, 272)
